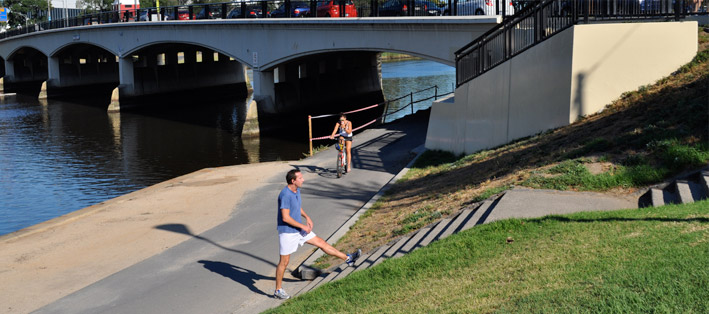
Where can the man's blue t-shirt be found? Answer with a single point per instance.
(290, 200)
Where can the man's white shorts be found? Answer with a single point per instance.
(289, 242)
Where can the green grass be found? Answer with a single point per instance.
(629, 261)
(665, 157)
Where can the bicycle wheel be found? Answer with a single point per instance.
(340, 168)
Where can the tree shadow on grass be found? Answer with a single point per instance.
(610, 219)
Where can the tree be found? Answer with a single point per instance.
(95, 5)
(21, 10)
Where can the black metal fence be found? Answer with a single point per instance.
(538, 20)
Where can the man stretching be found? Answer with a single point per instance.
(293, 233)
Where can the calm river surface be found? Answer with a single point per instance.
(58, 157)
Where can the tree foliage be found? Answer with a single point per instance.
(21, 10)
(95, 5)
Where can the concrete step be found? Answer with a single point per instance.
(392, 250)
(350, 269)
(409, 246)
(656, 197)
(683, 191)
(704, 180)
(477, 214)
(372, 258)
(437, 230)
(456, 224)
(314, 283)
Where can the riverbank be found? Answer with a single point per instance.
(391, 56)
(53, 259)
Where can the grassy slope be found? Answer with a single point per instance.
(640, 260)
(653, 259)
(643, 138)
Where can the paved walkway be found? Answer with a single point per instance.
(230, 268)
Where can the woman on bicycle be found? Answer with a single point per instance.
(344, 128)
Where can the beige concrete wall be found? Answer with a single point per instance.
(610, 59)
(576, 72)
(445, 128)
(539, 87)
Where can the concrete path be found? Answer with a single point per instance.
(230, 268)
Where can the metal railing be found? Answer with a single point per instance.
(412, 102)
(539, 20)
(278, 8)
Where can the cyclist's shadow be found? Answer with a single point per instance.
(323, 172)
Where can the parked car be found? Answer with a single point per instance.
(181, 13)
(298, 9)
(482, 7)
(201, 14)
(402, 7)
(331, 8)
(252, 11)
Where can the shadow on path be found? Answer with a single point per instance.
(241, 275)
(180, 228)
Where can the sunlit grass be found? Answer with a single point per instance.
(648, 260)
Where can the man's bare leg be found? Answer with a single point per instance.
(281, 270)
(326, 247)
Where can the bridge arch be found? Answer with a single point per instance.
(286, 59)
(170, 72)
(25, 70)
(86, 69)
(147, 45)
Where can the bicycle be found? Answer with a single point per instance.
(341, 156)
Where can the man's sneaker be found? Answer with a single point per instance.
(352, 258)
(281, 294)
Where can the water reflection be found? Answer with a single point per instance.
(57, 157)
(404, 77)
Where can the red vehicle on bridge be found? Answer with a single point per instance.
(331, 8)
(127, 9)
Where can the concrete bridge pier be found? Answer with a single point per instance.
(264, 92)
(126, 83)
(7, 75)
(52, 76)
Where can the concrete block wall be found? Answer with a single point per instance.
(575, 73)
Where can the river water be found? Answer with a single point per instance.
(57, 157)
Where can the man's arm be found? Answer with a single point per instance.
(308, 221)
(285, 213)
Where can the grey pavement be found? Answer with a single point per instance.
(531, 203)
(230, 268)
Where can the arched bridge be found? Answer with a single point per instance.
(316, 56)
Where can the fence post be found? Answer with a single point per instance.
(435, 92)
(411, 98)
(310, 134)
